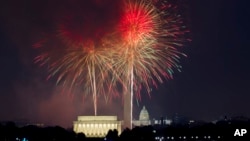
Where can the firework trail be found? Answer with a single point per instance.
(141, 51)
(86, 65)
(150, 33)
(77, 53)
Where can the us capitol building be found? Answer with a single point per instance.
(98, 126)
(143, 118)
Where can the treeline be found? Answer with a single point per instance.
(222, 130)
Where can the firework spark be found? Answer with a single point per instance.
(140, 52)
(147, 53)
(78, 52)
(86, 66)
(138, 23)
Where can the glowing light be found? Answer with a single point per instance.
(147, 53)
(142, 51)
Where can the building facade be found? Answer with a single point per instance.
(96, 126)
(143, 118)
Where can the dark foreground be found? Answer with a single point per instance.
(220, 131)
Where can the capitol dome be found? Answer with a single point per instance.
(144, 114)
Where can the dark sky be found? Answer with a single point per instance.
(214, 80)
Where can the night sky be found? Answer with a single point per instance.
(214, 81)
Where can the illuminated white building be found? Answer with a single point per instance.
(96, 126)
(143, 118)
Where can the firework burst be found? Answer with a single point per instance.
(147, 54)
(140, 51)
(149, 36)
(138, 23)
(86, 65)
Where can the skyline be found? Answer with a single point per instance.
(213, 81)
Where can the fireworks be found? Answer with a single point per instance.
(138, 23)
(140, 51)
(150, 35)
(86, 66)
(147, 52)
